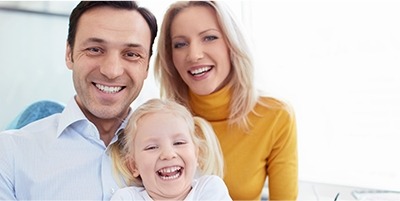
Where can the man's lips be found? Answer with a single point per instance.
(109, 89)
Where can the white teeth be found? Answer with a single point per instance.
(171, 177)
(108, 89)
(200, 70)
(170, 173)
(169, 170)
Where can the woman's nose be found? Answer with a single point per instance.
(195, 52)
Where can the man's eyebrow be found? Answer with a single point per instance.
(133, 45)
(137, 46)
(93, 40)
(99, 40)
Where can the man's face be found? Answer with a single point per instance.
(109, 61)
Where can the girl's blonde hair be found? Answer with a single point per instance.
(210, 156)
(242, 83)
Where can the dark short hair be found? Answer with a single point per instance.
(84, 6)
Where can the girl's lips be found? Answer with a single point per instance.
(169, 173)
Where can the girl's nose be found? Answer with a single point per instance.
(168, 154)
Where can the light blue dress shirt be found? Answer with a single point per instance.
(60, 157)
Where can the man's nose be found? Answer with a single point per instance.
(112, 66)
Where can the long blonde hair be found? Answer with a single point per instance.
(210, 156)
(242, 83)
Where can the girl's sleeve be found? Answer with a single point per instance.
(213, 188)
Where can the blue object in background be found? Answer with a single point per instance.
(36, 111)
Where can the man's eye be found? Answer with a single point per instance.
(132, 54)
(94, 50)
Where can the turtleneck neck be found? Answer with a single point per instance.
(212, 107)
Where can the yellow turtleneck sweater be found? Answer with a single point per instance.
(270, 149)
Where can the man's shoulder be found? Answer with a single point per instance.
(45, 124)
(39, 127)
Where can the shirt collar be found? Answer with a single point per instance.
(73, 114)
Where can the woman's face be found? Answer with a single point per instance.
(199, 50)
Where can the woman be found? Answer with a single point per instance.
(203, 62)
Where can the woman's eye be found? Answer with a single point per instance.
(179, 45)
(210, 38)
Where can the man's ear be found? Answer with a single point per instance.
(130, 163)
(68, 56)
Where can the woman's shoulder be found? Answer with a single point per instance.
(273, 103)
(272, 107)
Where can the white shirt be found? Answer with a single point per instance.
(58, 157)
(209, 187)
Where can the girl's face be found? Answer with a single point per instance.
(199, 50)
(165, 156)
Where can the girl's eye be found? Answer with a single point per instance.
(179, 143)
(179, 44)
(210, 38)
(150, 147)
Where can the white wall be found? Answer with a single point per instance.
(335, 61)
(32, 61)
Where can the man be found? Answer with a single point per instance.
(65, 156)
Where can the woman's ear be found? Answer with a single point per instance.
(132, 167)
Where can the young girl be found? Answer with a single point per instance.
(166, 153)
